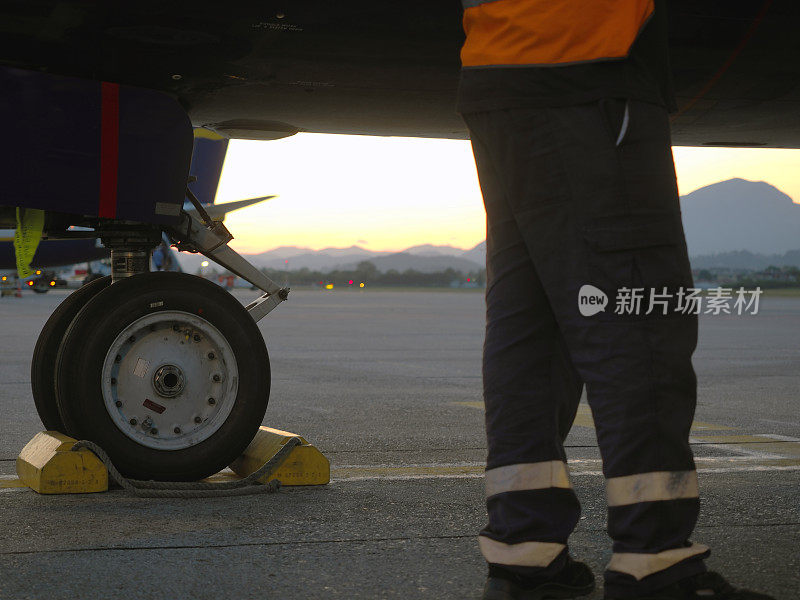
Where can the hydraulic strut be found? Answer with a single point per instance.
(211, 238)
(130, 249)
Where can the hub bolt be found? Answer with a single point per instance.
(175, 328)
(118, 403)
(154, 431)
(177, 430)
(198, 420)
(196, 338)
(216, 378)
(133, 421)
(211, 401)
(211, 356)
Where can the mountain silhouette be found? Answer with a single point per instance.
(735, 223)
(740, 215)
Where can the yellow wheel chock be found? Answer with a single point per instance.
(306, 465)
(47, 465)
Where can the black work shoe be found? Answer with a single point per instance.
(704, 586)
(574, 580)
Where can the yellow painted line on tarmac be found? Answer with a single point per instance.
(764, 451)
(745, 463)
(478, 405)
(700, 426)
(475, 470)
(448, 471)
(577, 467)
(224, 476)
(11, 483)
(753, 444)
(584, 418)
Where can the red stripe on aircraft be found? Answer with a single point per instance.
(109, 149)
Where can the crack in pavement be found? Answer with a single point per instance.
(328, 541)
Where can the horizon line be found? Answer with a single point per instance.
(360, 247)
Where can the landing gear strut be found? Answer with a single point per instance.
(131, 247)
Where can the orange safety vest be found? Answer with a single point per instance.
(503, 33)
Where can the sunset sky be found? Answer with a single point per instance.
(391, 193)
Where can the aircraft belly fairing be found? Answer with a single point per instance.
(94, 148)
(264, 70)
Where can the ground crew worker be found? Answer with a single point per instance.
(566, 102)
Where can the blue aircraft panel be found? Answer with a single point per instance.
(207, 161)
(92, 148)
(55, 253)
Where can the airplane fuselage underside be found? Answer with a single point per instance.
(267, 69)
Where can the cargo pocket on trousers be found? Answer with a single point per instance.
(642, 253)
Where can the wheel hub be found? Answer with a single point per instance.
(170, 380)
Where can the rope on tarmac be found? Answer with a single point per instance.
(196, 489)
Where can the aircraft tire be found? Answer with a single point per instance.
(168, 373)
(46, 351)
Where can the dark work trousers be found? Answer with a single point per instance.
(586, 195)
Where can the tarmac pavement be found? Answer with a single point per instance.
(387, 385)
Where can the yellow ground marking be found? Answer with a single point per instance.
(744, 463)
(478, 405)
(584, 418)
(770, 451)
(223, 476)
(577, 468)
(407, 471)
(755, 444)
(475, 470)
(700, 426)
(11, 483)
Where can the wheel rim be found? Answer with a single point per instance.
(170, 380)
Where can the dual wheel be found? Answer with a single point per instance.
(167, 372)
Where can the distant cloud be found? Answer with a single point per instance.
(361, 242)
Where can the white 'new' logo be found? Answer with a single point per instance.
(591, 300)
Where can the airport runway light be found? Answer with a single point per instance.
(52, 284)
(351, 282)
(361, 284)
(38, 272)
(5, 278)
(30, 283)
(329, 286)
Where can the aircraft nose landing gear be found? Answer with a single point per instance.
(165, 371)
